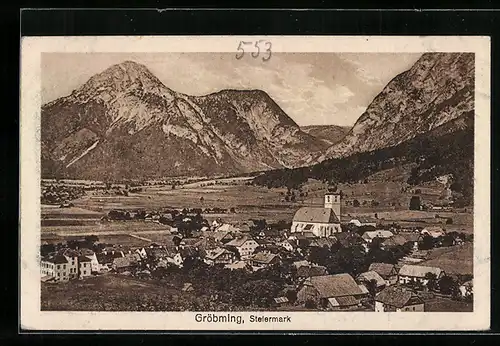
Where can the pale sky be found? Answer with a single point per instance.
(312, 88)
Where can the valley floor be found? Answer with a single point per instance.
(114, 292)
(250, 202)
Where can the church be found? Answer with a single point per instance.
(322, 222)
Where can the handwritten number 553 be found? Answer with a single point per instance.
(256, 51)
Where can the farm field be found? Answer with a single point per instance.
(108, 227)
(250, 202)
(127, 233)
(132, 239)
(73, 212)
(69, 222)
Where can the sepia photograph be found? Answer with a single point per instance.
(257, 181)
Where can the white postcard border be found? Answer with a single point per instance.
(31, 318)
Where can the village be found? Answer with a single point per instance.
(317, 261)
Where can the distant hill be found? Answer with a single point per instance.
(438, 88)
(330, 134)
(125, 123)
(447, 149)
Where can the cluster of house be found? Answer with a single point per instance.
(325, 222)
(66, 264)
(334, 292)
(164, 216)
(215, 248)
(233, 247)
(391, 288)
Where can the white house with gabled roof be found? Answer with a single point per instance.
(245, 245)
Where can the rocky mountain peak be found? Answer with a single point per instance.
(124, 122)
(128, 76)
(438, 88)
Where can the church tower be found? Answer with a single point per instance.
(332, 201)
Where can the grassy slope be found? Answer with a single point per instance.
(459, 260)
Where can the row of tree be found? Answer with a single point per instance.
(231, 287)
(446, 285)
(354, 259)
(57, 194)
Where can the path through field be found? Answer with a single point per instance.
(141, 238)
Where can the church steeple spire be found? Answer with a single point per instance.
(332, 201)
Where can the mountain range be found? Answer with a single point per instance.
(438, 88)
(422, 123)
(125, 123)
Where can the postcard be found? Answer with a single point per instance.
(282, 183)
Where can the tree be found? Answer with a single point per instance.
(427, 243)
(47, 249)
(350, 260)
(407, 248)
(449, 221)
(380, 256)
(447, 285)
(263, 293)
(415, 203)
(447, 240)
(376, 243)
(372, 287)
(232, 210)
(310, 304)
(234, 250)
(332, 188)
(319, 255)
(355, 203)
(432, 281)
(118, 215)
(291, 295)
(72, 244)
(335, 246)
(91, 238)
(260, 224)
(159, 273)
